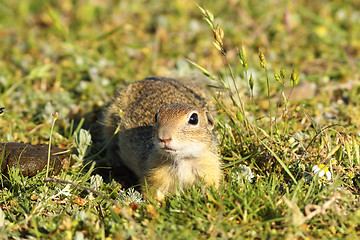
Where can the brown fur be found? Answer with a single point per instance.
(136, 144)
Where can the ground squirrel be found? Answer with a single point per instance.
(165, 135)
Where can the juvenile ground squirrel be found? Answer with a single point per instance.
(165, 135)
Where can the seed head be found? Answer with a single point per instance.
(251, 82)
(217, 46)
(243, 57)
(294, 79)
(262, 59)
(55, 115)
(208, 16)
(282, 73)
(218, 36)
(277, 78)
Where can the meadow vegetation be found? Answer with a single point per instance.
(286, 75)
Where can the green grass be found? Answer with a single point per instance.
(70, 57)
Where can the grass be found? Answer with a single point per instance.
(70, 57)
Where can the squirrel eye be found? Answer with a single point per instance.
(193, 119)
(156, 116)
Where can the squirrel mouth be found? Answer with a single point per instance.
(167, 149)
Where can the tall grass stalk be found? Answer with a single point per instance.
(263, 65)
(219, 45)
(55, 117)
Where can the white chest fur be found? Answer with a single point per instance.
(186, 172)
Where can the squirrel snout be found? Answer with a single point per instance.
(164, 136)
(166, 141)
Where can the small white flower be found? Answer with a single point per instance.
(83, 143)
(323, 171)
(243, 172)
(66, 191)
(96, 181)
(130, 196)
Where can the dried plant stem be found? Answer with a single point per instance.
(268, 92)
(55, 115)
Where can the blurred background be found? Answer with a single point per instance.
(70, 56)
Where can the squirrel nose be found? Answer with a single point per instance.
(166, 141)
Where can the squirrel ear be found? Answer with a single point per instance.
(211, 121)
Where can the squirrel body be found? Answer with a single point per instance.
(165, 135)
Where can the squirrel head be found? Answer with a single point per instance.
(182, 130)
